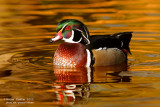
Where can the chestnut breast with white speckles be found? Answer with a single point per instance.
(70, 54)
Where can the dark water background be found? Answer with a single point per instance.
(28, 77)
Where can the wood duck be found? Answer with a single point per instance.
(82, 50)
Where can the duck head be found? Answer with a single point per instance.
(72, 31)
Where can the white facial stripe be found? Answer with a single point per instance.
(70, 40)
(78, 30)
(86, 32)
(86, 39)
(80, 40)
(84, 36)
(87, 35)
(65, 25)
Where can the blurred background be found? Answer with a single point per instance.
(26, 69)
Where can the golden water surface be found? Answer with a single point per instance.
(28, 79)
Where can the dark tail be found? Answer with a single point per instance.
(125, 37)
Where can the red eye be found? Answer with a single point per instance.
(68, 28)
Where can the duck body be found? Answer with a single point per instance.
(82, 50)
(110, 49)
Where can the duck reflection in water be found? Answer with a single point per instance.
(72, 85)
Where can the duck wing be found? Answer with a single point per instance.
(119, 40)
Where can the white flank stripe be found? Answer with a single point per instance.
(99, 49)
